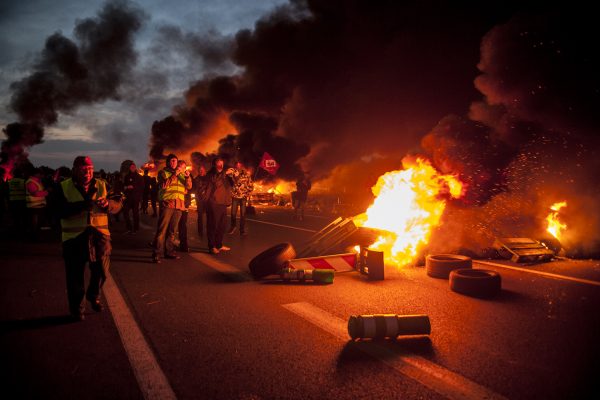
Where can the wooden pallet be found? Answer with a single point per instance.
(522, 250)
(329, 237)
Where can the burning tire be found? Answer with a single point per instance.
(475, 282)
(272, 260)
(440, 265)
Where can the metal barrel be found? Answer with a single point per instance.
(379, 326)
(303, 275)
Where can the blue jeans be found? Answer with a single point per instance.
(168, 219)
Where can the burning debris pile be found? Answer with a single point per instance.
(409, 204)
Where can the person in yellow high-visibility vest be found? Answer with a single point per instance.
(173, 182)
(17, 202)
(83, 207)
(36, 201)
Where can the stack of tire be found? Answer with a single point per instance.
(463, 278)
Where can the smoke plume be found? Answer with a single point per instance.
(70, 73)
(533, 140)
(344, 79)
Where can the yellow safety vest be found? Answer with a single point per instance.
(74, 225)
(176, 191)
(35, 201)
(16, 189)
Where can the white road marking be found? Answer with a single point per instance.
(280, 225)
(152, 381)
(546, 274)
(434, 376)
(220, 266)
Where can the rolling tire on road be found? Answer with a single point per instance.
(440, 265)
(272, 260)
(476, 282)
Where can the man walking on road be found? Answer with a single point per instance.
(241, 191)
(83, 207)
(173, 182)
(219, 198)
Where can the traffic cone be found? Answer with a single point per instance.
(303, 275)
(381, 326)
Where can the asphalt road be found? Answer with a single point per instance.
(200, 327)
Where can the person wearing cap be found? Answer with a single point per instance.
(83, 207)
(219, 198)
(173, 182)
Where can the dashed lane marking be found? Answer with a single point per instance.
(546, 274)
(435, 377)
(152, 381)
(282, 226)
(222, 267)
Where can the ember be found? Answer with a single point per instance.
(409, 203)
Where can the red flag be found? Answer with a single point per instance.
(269, 164)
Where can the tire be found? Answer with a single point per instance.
(481, 283)
(440, 265)
(272, 260)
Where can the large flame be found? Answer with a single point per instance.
(409, 203)
(555, 227)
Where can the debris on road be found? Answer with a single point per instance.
(380, 326)
(370, 263)
(324, 276)
(272, 260)
(521, 250)
(476, 282)
(338, 262)
(440, 265)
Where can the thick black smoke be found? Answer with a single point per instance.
(70, 73)
(347, 78)
(534, 139)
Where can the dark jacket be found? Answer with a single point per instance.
(137, 181)
(201, 186)
(219, 188)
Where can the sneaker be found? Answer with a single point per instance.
(214, 250)
(224, 248)
(184, 249)
(172, 256)
(155, 259)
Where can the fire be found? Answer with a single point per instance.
(555, 227)
(408, 205)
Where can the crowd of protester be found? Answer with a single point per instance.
(83, 206)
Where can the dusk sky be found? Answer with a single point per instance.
(111, 131)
